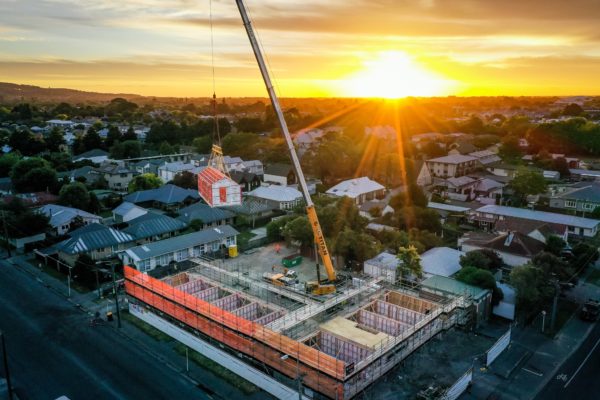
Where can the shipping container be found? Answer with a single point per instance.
(217, 189)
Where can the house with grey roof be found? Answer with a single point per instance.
(96, 240)
(127, 211)
(582, 197)
(247, 180)
(210, 216)
(85, 174)
(167, 171)
(280, 174)
(148, 166)
(117, 176)
(278, 197)
(179, 249)
(168, 197)
(97, 156)
(442, 261)
(151, 227)
(361, 190)
(383, 265)
(450, 166)
(487, 217)
(63, 218)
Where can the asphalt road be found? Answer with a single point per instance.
(577, 378)
(53, 351)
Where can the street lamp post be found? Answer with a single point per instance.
(554, 304)
(543, 320)
(6, 370)
(112, 267)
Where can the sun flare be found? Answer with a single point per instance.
(392, 75)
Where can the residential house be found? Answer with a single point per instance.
(461, 147)
(253, 167)
(460, 188)
(305, 139)
(116, 176)
(62, 218)
(581, 197)
(360, 189)
(149, 166)
(181, 248)
(280, 174)
(96, 240)
(584, 174)
(442, 261)
(451, 166)
(538, 230)
(167, 171)
(86, 174)
(253, 210)
(486, 188)
(384, 265)
(126, 212)
(210, 216)
(367, 209)
(6, 186)
(97, 156)
(33, 199)
(59, 123)
(167, 197)
(233, 163)
(486, 157)
(502, 169)
(551, 175)
(487, 217)
(448, 210)
(151, 227)
(514, 248)
(277, 197)
(247, 180)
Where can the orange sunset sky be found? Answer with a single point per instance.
(379, 48)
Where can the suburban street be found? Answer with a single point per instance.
(53, 351)
(577, 378)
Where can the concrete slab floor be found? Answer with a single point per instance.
(262, 259)
(440, 362)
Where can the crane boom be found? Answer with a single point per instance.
(310, 207)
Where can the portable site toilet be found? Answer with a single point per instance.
(217, 189)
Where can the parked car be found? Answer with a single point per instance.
(590, 310)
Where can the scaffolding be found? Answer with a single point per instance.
(341, 346)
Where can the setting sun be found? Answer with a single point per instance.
(394, 74)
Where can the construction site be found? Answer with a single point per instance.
(335, 346)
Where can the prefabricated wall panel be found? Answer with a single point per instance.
(341, 349)
(267, 319)
(231, 302)
(194, 286)
(410, 302)
(210, 294)
(217, 189)
(380, 323)
(396, 312)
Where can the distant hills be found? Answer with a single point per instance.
(10, 92)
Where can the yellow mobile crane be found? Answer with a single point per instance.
(317, 287)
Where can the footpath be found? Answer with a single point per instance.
(161, 347)
(533, 358)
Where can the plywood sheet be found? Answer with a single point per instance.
(347, 330)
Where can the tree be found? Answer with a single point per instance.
(196, 224)
(74, 195)
(275, 228)
(129, 135)
(532, 286)
(144, 182)
(55, 140)
(22, 222)
(33, 175)
(482, 259)
(298, 230)
(165, 148)
(528, 182)
(573, 110)
(510, 147)
(555, 245)
(355, 246)
(560, 164)
(552, 266)
(91, 140)
(127, 149)
(113, 135)
(481, 278)
(25, 143)
(412, 196)
(202, 144)
(186, 180)
(410, 263)
(7, 162)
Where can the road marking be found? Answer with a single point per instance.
(532, 372)
(582, 364)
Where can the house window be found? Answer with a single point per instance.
(181, 255)
(589, 206)
(570, 203)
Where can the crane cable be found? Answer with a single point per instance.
(216, 133)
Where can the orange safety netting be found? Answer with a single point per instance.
(210, 320)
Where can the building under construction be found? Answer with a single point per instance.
(335, 345)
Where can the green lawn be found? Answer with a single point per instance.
(594, 277)
(244, 237)
(218, 370)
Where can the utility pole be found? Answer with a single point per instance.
(112, 267)
(6, 234)
(554, 305)
(6, 370)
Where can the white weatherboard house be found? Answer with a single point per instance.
(62, 217)
(360, 189)
(127, 211)
(179, 248)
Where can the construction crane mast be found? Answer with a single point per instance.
(317, 287)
